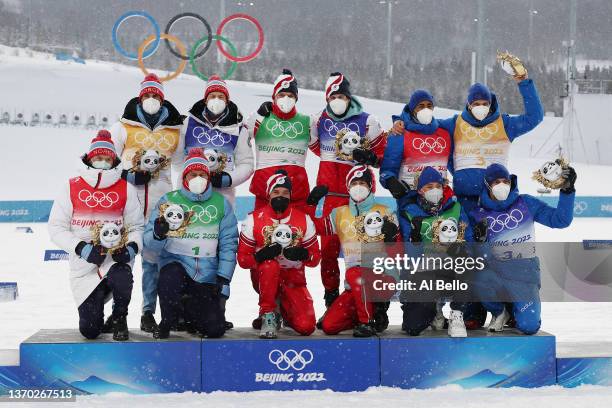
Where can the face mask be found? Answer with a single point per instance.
(101, 165)
(434, 195)
(338, 106)
(285, 104)
(480, 112)
(500, 191)
(279, 204)
(216, 105)
(359, 193)
(424, 116)
(151, 106)
(197, 185)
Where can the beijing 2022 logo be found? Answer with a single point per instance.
(289, 366)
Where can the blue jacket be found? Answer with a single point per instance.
(522, 269)
(468, 182)
(203, 269)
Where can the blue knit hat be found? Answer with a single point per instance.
(496, 171)
(478, 91)
(429, 175)
(417, 97)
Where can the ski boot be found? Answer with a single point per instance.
(330, 296)
(147, 322)
(120, 329)
(269, 326)
(364, 330)
(381, 320)
(108, 325)
(498, 322)
(456, 326)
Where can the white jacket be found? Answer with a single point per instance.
(68, 225)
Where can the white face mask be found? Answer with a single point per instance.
(197, 185)
(151, 106)
(285, 104)
(216, 105)
(359, 193)
(500, 191)
(425, 116)
(434, 195)
(480, 112)
(101, 165)
(338, 106)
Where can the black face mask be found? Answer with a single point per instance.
(279, 204)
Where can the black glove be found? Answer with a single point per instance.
(268, 252)
(126, 253)
(221, 282)
(480, 231)
(94, 254)
(415, 232)
(570, 180)
(160, 229)
(389, 230)
(220, 179)
(295, 253)
(137, 178)
(316, 195)
(265, 109)
(365, 156)
(457, 250)
(397, 188)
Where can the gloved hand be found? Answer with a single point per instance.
(268, 252)
(415, 231)
(570, 177)
(480, 231)
(317, 194)
(220, 179)
(365, 156)
(126, 253)
(389, 230)
(265, 109)
(137, 178)
(398, 127)
(160, 229)
(221, 284)
(94, 254)
(295, 253)
(397, 188)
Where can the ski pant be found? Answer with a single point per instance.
(419, 315)
(288, 287)
(118, 282)
(330, 246)
(350, 308)
(202, 302)
(150, 280)
(526, 305)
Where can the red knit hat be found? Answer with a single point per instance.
(363, 173)
(151, 84)
(216, 84)
(195, 160)
(102, 144)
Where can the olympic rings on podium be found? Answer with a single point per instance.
(260, 42)
(127, 16)
(166, 37)
(197, 17)
(197, 45)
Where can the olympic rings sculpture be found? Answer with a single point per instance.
(150, 45)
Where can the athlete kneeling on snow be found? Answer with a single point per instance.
(342, 135)
(276, 242)
(513, 271)
(198, 261)
(352, 310)
(99, 198)
(435, 202)
(150, 128)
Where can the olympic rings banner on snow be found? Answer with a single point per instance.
(150, 45)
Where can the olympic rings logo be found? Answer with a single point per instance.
(211, 136)
(580, 207)
(203, 215)
(503, 221)
(98, 198)
(290, 359)
(279, 128)
(348, 229)
(150, 45)
(158, 141)
(427, 145)
(333, 127)
(484, 133)
(428, 233)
